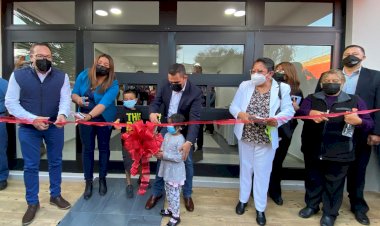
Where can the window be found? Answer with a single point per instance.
(211, 13)
(312, 14)
(213, 59)
(63, 56)
(121, 12)
(40, 13)
(139, 58)
(310, 62)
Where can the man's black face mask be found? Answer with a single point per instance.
(351, 61)
(43, 65)
(176, 87)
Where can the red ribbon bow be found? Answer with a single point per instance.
(142, 142)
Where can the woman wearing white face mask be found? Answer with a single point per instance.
(259, 98)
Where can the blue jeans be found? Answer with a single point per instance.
(4, 171)
(30, 140)
(159, 184)
(87, 135)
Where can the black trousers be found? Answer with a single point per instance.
(200, 137)
(356, 177)
(325, 183)
(276, 175)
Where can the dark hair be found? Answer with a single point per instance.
(130, 91)
(268, 63)
(177, 68)
(110, 78)
(354, 46)
(177, 118)
(291, 76)
(31, 50)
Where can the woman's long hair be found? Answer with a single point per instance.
(110, 78)
(291, 76)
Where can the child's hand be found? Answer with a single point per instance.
(159, 154)
(117, 121)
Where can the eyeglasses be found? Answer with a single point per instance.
(252, 71)
(40, 56)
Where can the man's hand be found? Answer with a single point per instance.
(153, 117)
(60, 122)
(319, 119)
(353, 118)
(373, 139)
(159, 154)
(185, 149)
(41, 123)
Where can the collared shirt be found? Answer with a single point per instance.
(351, 81)
(174, 101)
(12, 98)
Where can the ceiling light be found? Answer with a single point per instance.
(239, 13)
(100, 12)
(154, 63)
(115, 11)
(229, 11)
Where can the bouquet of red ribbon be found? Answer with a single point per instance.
(142, 142)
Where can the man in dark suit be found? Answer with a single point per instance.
(365, 83)
(177, 95)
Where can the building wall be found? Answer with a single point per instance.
(362, 28)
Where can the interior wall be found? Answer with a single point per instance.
(362, 29)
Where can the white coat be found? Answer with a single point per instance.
(243, 97)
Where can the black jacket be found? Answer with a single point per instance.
(368, 88)
(189, 106)
(325, 140)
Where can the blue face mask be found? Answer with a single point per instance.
(129, 103)
(171, 129)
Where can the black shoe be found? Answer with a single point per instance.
(87, 190)
(240, 208)
(129, 190)
(173, 221)
(307, 212)
(277, 199)
(362, 218)
(3, 184)
(166, 213)
(102, 186)
(60, 202)
(327, 220)
(260, 218)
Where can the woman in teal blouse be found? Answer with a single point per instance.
(95, 91)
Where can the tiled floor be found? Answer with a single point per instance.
(113, 208)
